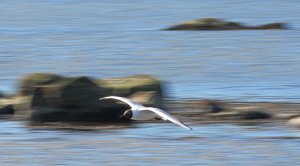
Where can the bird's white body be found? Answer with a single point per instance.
(140, 112)
(142, 115)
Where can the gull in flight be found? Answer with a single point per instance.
(139, 112)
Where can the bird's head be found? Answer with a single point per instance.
(127, 114)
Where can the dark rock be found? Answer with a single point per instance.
(219, 24)
(251, 115)
(213, 106)
(73, 92)
(272, 26)
(73, 99)
(7, 110)
(95, 112)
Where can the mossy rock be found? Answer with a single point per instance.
(49, 97)
(126, 86)
(29, 82)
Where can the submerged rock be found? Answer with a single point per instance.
(219, 24)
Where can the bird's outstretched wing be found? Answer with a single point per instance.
(166, 116)
(131, 103)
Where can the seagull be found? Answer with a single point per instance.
(140, 112)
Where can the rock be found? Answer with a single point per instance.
(272, 26)
(7, 110)
(239, 115)
(251, 115)
(148, 98)
(49, 97)
(31, 81)
(72, 99)
(219, 24)
(96, 112)
(73, 92)
(20, 105)
(206, 106)
(294, 121)
(126, 86)
(213, 106)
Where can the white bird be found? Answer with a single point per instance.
(140, 112)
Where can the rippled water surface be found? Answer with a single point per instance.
(118, 38)
(149, 144)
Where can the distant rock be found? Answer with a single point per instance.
(219, 24)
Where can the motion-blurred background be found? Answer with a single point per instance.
(111, 38)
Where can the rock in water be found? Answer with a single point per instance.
(96, 112)
(141, 88)
(251, 115)
(72, 99)
(50, 97)
(219, 24)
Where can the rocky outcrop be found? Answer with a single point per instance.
(219, 24)
(145, 89)
(230, 111)
(50, 97)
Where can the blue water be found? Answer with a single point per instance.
(110, 38)
(105, 39)
(150, 144)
